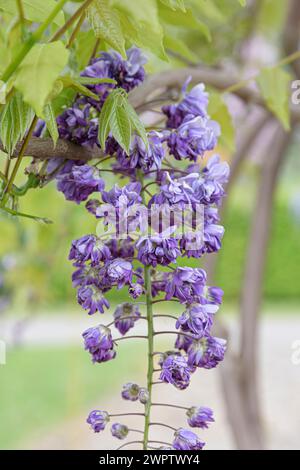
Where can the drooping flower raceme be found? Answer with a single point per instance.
(161, 182)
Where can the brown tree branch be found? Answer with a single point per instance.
(43, 149)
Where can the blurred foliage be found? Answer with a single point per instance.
(53, 384)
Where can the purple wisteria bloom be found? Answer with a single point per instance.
(176, 371)
(91, 298)
(157, 249)
(98, 341)
(200, 417)
(194, 103)
(215, 295)
(186, 284)
(193, 138)
(118, 272)
(141, 157)
(130, 391)
(120, 431)
(125, 316)
(206, 352)
(197, 319)
(98, 420)
(79, 182)
(135, 290)
(89, 248)
(187, 440)
(78, 125)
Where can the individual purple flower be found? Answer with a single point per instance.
(91, 298)
(123, 248)
(193, 138)
(85, 275)
(120, 431)
(187, 440)
(206, 352)
(141, 157)
(135, 290)
(194, 103)
(78, 183)
(186, 284)
(175, 370)
(200, 417)
(78, 125)
(125, 316)
(130, 391)
(98, 420)
(157, 249)
(143, 396)
(197, 319)
(215, 295)
(88, 248)
(118, 272)
(98, 341)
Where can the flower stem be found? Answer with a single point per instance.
(163, 425)
(150, 353)
(170, 405)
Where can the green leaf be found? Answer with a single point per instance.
(274, 86)
(242, 2)
(106, 24)
(218, 111)
(70, 82)
(38, 71)
(136, 123)
(179, 46)
(51, 123)
(104, 119)
(34, 10)
(185, 20)
(95, 81)
(121, 127)
(141, 25)
(174, 4)
(15, 119)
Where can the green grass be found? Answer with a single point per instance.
(42, 387)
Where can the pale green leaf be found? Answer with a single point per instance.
(104, 119)
(15, 119)
(121, 127)
(106, 24)
(37, 73)
(178, 46)
(70, 82)
(136, 123)
(34, 10)
(175, 4)
(274, 86)
(218, 111)
(185, 20)
(95, 81)
(51, 123)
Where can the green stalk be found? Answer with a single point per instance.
(150, 354)
(35, 37)
(147, 279)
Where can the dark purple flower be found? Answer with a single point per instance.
(98, 420)
(125, 316)
(197, 319)
(200, 416)
(91, 298)
(130, 391)
(157, 249)
(175, 370)
(135, 290)
(88, 248)
(78, 125)
(193, 138)
(186, 284)
(98, 341)
(187, 440)
(120, 431)
(118, 272)
(194, 103)
(206, 352)
(140, 156)
(85, 275)
(78, 183)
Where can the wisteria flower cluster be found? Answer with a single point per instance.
(146, 263)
